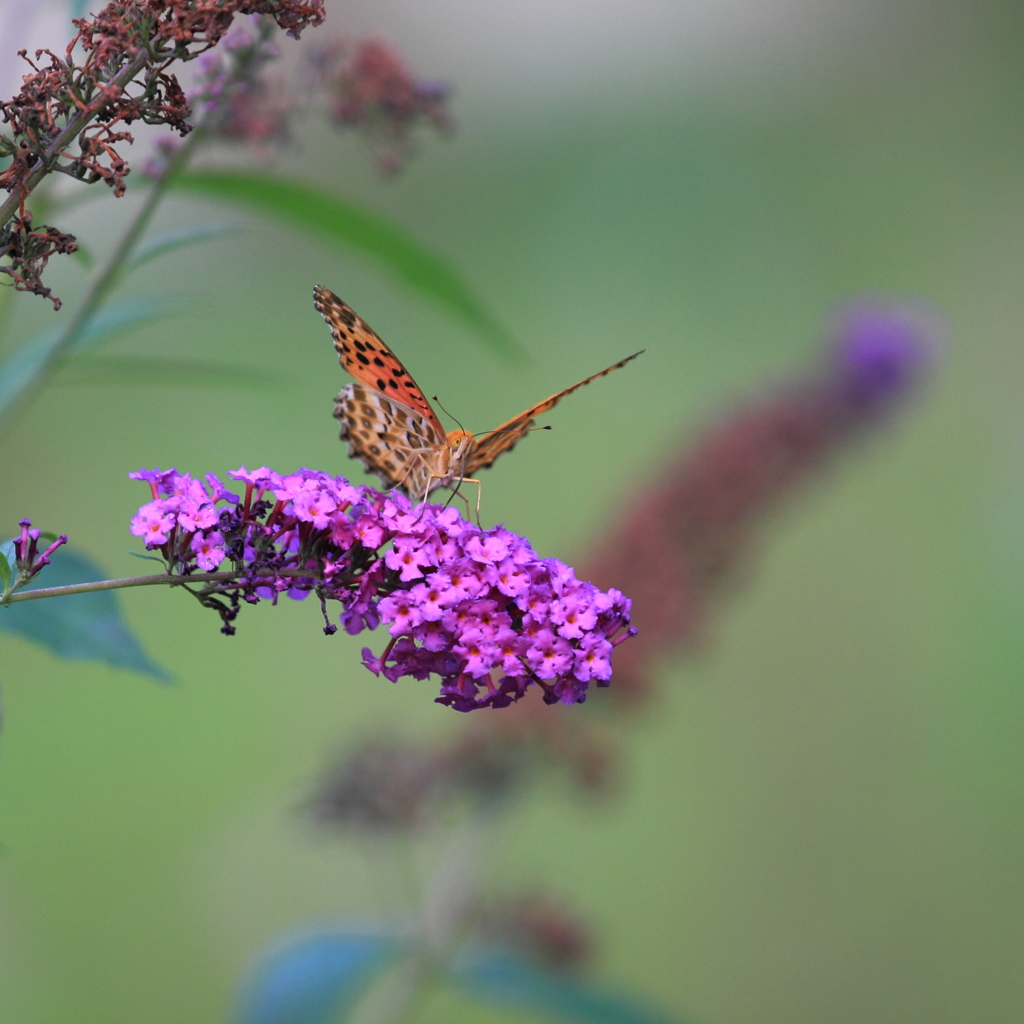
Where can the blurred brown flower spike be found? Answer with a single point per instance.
(683, 537)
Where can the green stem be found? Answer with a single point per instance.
(107, 277)
(410, 986)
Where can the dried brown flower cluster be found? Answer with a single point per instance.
(29, 250)
(61, 100)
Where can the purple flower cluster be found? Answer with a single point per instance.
(463, 602)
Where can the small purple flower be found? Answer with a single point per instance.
(372, 662)
(314, 506)
(27, 559)
(407, 557)
(153, 522)
(487, 549)
(156, 478)
(573, 615)
(593, 659)
(549, 656)
(218, 492)
(262, 478)
(209, 550)
(196, 515)
(401, 611)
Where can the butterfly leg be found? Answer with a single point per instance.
(479, 492)
(456, 493)
(426, 493)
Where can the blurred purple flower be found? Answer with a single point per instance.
(232, 91)
(370, 89)
(880, 351)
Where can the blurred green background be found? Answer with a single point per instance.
(820, 816)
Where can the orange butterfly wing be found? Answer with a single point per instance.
(368, 359)
(388, 423)
(502, 439)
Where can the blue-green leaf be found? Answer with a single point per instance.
(168, 241)
(78, 627)
(117, 318)
(342, 222)
(21, 369)
(503, 979)
(167, 372)
(313, 978)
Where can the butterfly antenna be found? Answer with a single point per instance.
(446, 412)
(547, 426)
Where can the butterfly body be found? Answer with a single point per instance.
(392, 428)
(397, 443)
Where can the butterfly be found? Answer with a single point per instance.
(392, 428)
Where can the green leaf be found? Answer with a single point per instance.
(145, 370)
(83, 256)
(78, 627)
(344, 223)
(168, 241)
(22, 368)
(313, 978)
(502, 979)
(147, 558)
(118, 318)
(6, 564)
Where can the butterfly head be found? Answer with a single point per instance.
(459, 444)
(447, 461)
